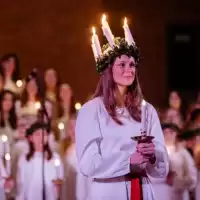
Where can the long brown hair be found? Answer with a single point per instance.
(106, 88)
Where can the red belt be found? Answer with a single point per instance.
(136, 189)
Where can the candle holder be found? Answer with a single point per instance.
(143, 138)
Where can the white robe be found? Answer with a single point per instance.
(183, 165)
(29, 178)
(3, 175)
(104, 149)
(76, 185)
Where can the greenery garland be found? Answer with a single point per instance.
(121, 48)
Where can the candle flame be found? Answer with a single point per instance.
(61, 126)
(125, 22)
(103, 18)
(78, 106)
(143, 102)
(57, 162)
(19, 83)
(4, 138)
(93, 30)
(37, 105)
(7, 156)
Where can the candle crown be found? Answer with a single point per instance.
(115, 47)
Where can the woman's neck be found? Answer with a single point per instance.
(6, 115)
(120, 96)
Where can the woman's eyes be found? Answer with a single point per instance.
(124, 64)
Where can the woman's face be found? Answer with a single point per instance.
(174, 100)
(51, 78)
(65, 92)
(124, 70)
(37, 139)
(32, 88)
(9, 66)
(7, 103)
(169, 135)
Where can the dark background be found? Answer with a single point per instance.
(56, 34)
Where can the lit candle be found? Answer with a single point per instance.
(57, 166)
(6, 147)
(144, 115)
(95, 41)
(8, 164)
(61, 128)
(94, 49)
(107, 32)
(127, 32)
(19, 83)
(78, 106)
(37, 105)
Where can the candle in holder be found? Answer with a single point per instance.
(8, 164)
(143, 120)
(61, 127)
(95, 41)
(127, 32)
(94, 49)
(6, 147)
(37, 105)
(107, 32)
(57, 167)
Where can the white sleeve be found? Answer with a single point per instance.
(191, 171)
(88, 139)
(3, 174)
(161, 167)
(20, 181)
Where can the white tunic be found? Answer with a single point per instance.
(29, 178)
(183, 165)
(104, 149)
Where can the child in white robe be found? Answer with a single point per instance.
(183, 174)
(76, 185)
(29, 175)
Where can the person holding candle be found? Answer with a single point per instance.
(182, 176)
(30, 177)
(8, 117)
(118, 166)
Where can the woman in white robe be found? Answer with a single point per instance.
(29, 176)
(106, 153)
(76, 185)
(183, 173)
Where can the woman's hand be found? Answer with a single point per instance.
(146, 149)
(137, 159)
(9, 184)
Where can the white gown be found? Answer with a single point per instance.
(76, 185)
(104, 149)
(185, 180)
(3, 175)
(29, 178)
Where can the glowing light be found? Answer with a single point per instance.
(103, 19)
(19, 83)
(125, 22)
(57, 162)
(61, 126)
(77, 106)
(7, 156)
(37, 105)
(4, 138)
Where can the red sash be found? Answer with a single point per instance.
(136, 192)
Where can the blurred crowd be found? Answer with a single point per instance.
(23, 167)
